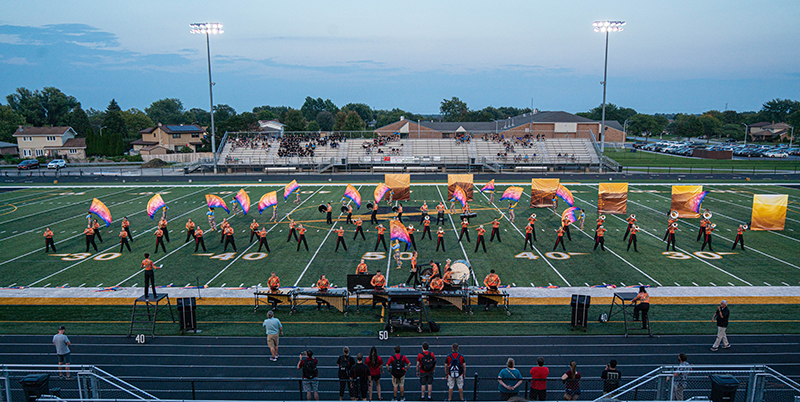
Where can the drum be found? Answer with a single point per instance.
(370, 205)
(469, 215)
(394, 209)
(460, 272)
(344, 209)
(322, 208)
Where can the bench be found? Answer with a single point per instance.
(530, 168)
(422, 169)
(280, 169)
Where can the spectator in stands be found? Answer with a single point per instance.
(455, 367)
(309, 364)
(274, 330)
(681, 377)
(572, 382)
(611, 377)
(375, 364)
(361, 378)
(62, 344)
(397, 365)
(426, 365)
(539, 380)
(345, 363)
(510, 380)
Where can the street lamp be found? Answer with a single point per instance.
(745, 133)
(605, 27)
(209, 29)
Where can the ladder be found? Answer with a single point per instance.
(146, 321)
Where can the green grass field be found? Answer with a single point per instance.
(642, 159)
(771, 258)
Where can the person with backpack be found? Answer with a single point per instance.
(509, 380)
(309, 364)
(361, 378)
(426, 365)
(345, 364)
(375, 364)
(396, 365)
(454, 368)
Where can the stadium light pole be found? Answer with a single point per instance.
(745, 133)
(605, 27)
(209, 29)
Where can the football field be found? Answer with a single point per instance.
(770, 259)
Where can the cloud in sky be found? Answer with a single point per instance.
(674, 56)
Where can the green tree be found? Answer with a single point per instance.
(9, 123)
(711, 126)
(735, 131)
(79, 121)
(293, 120)
(167, 111)
(325, 120)
(730, 117)
(362, 109)
(453, 109)
(199, 116)
(223, 112)
(386, 117)
(313, 126)
(353, 122)
(27, 104)
(56, 105)
(312, 107)
(640, 124)
(135, 121)
(777, 110)
(114, 130)
(613, 112)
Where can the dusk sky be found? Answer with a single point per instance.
(673, 56)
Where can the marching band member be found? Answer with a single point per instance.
(703, 224)
(234, 206)
(373, 219)
(253, 229)
(378, 281)
(600, 221)
(671, 235)
(340, 239)
(358, 222)
(48, 241)
(529, 231)
(400, 212)
(466, 210)
(495, 231)
(361, 268)
(127, 227)
(413, 273)
(631, 223)
(274, 283)
(89, 234)
(492, 281)
(198, 239)
(532, 222)
(439, 239)
(96, 227)
(189, 230)
(739, 237)
(424, 210)
(297, 198)
(222, 226)
(642, 306)
(159, 234)
(426, 227)
(229, 238)
(632, 239)
(464, 229)
(435, 268)
(274, 217)
(565, 224)
(707, 240)
(292, 230)
(262, 240)
(480, 241)
(123, 241)
(437, 284)
(381, 239)
(212, 222)
(349, 213)
(559, 238)
(410, 229)
(447, 278)
(302, 232)
(582, 219)
(329, 214)
(673, 218)
(600, 238)
(440, 213)
(322, 287)
(162, 224)
(511, 207)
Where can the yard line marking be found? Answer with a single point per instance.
(547, 261)
(532, 285)
(750, 247)
(677, 284)
(82, 285)
(682, 250)
(53, 209)
(712, 284)
(115, 245)
(731, 284)
(66, 219)
(786, 284)
(454, 233)
(767, 284)
(323, 240)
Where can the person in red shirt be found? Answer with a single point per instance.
(375, 364)
(600, 221)
(703, 224)
(229, 238)
(149, 276)
(361, 268)
(426, 365)
(492, 281)
(48, 241)
(495, 231)
(323, 283)
(302, 240)
(397, 366)
(262, 240)
(673, 217)
(539, 380)
(198, 240)
(454, 370)
(253, 230)
(123, 240)
(565, 224)
(378, 281)
(437, 284)
(358, 222)
(739, 238)
(274, 283)
(480, 240)
(560, 238)
(440, 239)
(159, 234)
(381, 240)
(292, 231)
(89, 234)
(529, 234)
(600, 238)
(464, 229)
(189, 230)
(424, 210)
(631, 223)
(410, 229)
(340, 239)
(440, 213)
(427, 227)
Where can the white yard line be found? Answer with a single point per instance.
(454, 233)
(115, 245)
(56, 208)
(321, 244)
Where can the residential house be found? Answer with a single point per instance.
(764, 131)
(50, 142)
(7, 148)
(166, 138)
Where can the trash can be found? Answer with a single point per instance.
(723, 387)
(35, 385)
(187, 313)
(580, 311)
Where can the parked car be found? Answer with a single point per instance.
(730, 140)
(57, 164)
(28, 164)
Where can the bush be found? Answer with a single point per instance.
(185, 150)
(134, 158)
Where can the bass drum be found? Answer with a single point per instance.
(461, 271)
(322, 208)
(344, 208)
(370, 206)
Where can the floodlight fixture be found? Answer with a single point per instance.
(209, 28)
(605, 27)
(608, 26)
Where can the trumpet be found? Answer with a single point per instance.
(633, 216)
(745, 227)
(673, 214)
(602, 217)
(533, 216)
(675, 224)
(707, 215)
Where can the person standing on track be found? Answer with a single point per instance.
(464, 229)
(190, 226)
(440, 213)
(62, 344)
(212, 222)
(495, 231)
(162, 224)
(292, 230)
(424, 211)
(671, 235)
(229, 238)
(480, 240)
(440, 239)
(632, 239)
(373, 219)
(340, 239)
(410, 229)
(739, 238)
(274, 330)
(198, 239)
(127, 227)
(159, 234)
(302, 231)
(358, 222)
(509, 379)
(329, 214)
(123, 240)
(253, 229)
(426, 227)
(539, 380)
(721, 316)
(529, 234)
(96, 227)
(262, 240)
(631, 223)
(89, 234)
(600, 238)
(397, 365)
(149, 275)
(381, 239)
(426, 366)
(48, 241)
(559, 238)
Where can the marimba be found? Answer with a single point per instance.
(488, 297)
(339, 298)
(283, 295)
